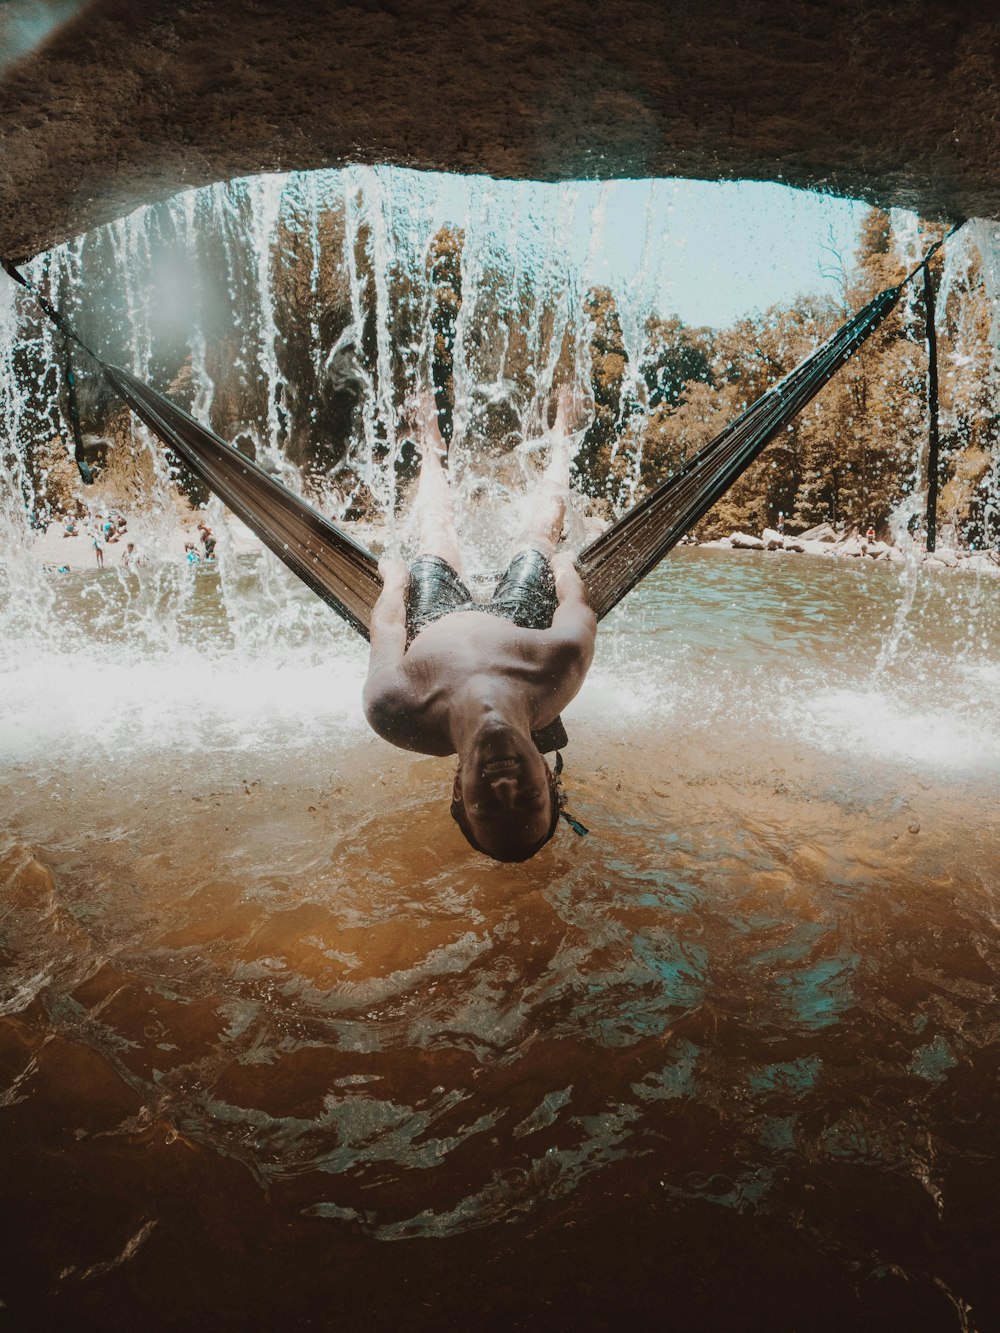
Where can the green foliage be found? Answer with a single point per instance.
(848, 458)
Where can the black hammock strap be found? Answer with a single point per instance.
(345, 574)
(627, 551)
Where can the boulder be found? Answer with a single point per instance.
(944, 556)
(822, 532)
(742, 541)
(772, 539)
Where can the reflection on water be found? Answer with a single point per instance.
(246, 957)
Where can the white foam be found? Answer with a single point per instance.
(874, 725)
(68, 704)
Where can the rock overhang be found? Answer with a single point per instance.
(116, 103)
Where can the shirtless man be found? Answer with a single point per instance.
(448, 675)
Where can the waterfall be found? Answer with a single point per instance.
(300, 314)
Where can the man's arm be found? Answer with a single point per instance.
(388, 640)
(574, 625)
(573, 616)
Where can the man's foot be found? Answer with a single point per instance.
(423, 416)
(574, 410)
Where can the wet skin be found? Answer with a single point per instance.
(503, 781)
(475, 685)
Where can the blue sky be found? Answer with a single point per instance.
(723, 249)
(704, 250)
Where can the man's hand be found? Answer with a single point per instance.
(395, 573)
(567, 577)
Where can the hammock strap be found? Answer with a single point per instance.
(336, 567)
(345, 574)
(625, 553)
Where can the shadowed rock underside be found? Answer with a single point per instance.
(122, 103)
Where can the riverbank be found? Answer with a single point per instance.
(824, 541)
(57, 551)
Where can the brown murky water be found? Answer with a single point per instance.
(279, 1050)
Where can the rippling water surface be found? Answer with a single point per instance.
(732, 1058)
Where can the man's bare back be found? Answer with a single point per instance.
(476, 683)
(470, 663)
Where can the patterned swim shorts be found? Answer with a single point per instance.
(525, 595)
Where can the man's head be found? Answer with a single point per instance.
(505, 799)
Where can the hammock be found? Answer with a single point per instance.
(627, 551)
(345, 574)
(324, 557)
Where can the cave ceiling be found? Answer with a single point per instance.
(108, 104)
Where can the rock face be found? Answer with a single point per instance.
(126, 101)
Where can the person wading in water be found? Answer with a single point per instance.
(449, 675)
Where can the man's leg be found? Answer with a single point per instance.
(435, 521)
(526, 592)
(544, 524)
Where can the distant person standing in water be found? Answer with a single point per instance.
(97, 537)
(207, 540)
(449, 675)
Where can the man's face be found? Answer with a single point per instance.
(505, 790)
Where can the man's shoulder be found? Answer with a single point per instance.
(397, 709)
(388, 695)
(390, 714)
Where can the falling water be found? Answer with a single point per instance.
(264, 1011)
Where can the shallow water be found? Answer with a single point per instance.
(731, 1058)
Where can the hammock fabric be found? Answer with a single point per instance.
(627, 551)
(345, 574)
(333, 564)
